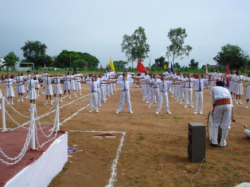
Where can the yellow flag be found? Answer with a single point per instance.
(165, 66)
(111, 64)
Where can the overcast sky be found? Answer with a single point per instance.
(97, 26)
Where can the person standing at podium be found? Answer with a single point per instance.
(222, 113)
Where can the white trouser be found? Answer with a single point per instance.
(125, 95)
(188, 96)
(99, 95)
(172, 89)
(108, 89)
(154, 96)
(182, 94)
(163, 96)
(103, 93)
(113, 87)
(198, 101)
(222, 116)
(148, 90)
(144, 91)
(177, 92)
(93, 100)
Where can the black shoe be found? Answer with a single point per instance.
(214, 145)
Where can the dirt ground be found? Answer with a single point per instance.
(155, 148)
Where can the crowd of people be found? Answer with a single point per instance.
(155, 89)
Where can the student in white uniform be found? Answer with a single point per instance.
(93, 97)
(164, 87)
(103, 79)
(198, 87)
(20, 86)
(213, 76)
(73, 83)
(31, 86)
(154, 90)
(247, 79)
(182, 88)
(125, 94)
(48, 90)
(27, 77)
(112, 75)
(188, 91)
(9, 91)
(37, 85)
(238, 88)
(222, 113)
(78, 78)
(57, 87)
(145, 87)
(107, 76)
(231, 82)
(67, 85)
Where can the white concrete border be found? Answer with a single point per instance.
(42, 171)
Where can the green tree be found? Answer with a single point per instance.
(35, 51)
(193, 64)
(177, 49)
(160, 62)
(177, 65)
(120, 65)
(66, 58)
(10, 60)
(233, 55)
(135, 46)
(80, 64)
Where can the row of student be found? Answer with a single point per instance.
(71, 82)
(181, 86)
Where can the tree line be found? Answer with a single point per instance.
(135, 47)
(35, 52)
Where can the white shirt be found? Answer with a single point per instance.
(188, 84)
(164, 85)
(31, 84)
(124, 85)
(199, 84)
(20, 80)
(93, 86)
(219, 92)
(155, 83)
(47, 81)
(8, 82)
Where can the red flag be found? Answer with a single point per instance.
(140, 67)
(228, 71)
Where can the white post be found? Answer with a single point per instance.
(32, 123)
(3, 115)
(57, 115)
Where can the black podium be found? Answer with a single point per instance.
(196, 142)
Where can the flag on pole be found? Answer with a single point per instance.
(165, 66)
(207, 76)
(140, 67)
(111, 64)
(172, 68)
